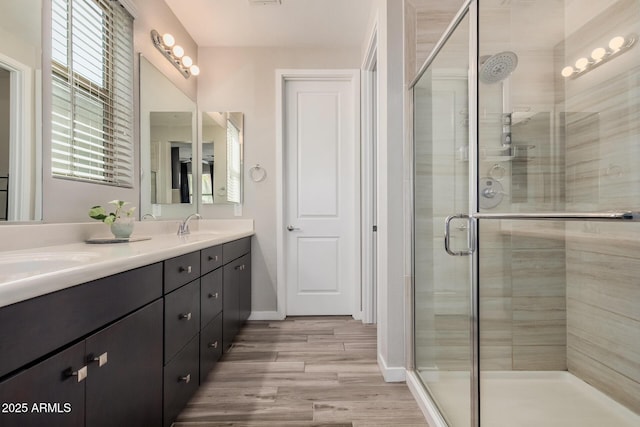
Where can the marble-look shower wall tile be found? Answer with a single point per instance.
(538, 273)
(425, 22)
(539, 358)
(601, 128)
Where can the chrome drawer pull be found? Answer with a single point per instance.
(185, 379)
(185, 316)
(213, 344)
(81, 373)
(213, 295)
(182, 269)
(213, 258)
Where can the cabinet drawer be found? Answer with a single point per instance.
(210, 296)
(181, 318)
(210, 258)
(181, 270)
(210, 346)
(235, 249)
(181, 378)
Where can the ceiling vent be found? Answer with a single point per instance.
(264, 2)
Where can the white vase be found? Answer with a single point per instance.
(122, 228)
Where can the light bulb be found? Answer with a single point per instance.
(598, 53)
(187, 61)
(195, 70)
(616, 43)
(178, 51)
(567, 71)
(582, 63)
(168, 40)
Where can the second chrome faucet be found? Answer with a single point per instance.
(183, 228)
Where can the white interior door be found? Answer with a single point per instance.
(321, 200)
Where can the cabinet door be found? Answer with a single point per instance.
(124, 385)
(230, 303)
(244, 289)
(46, 394)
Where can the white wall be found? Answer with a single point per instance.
(391, 241)
(4, 122)
(69, 201)
(243, 79)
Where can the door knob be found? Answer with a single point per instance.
(292, 228)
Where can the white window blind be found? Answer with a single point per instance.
(92, 92)
(233, 163)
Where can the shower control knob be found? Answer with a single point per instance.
(491, 193)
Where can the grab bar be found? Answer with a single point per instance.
(564, 216)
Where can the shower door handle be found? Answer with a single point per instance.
(447, 235)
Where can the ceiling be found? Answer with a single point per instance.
(294, 23)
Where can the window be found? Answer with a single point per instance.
(92, 92)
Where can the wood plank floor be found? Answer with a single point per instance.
(303, 371)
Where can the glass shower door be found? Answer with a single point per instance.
(442, 283)
(559, 192)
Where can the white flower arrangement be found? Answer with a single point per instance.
(99, 213)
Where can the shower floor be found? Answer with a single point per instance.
(529, 399)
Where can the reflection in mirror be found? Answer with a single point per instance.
(167, 132)
(222, 141)
(20, 117)
(171, 157)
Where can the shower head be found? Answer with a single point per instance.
(494, 69)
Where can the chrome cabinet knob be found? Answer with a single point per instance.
(185, 269)
(102, 359)
(185, 379)
(213, 344)
(185, 316)
(214, 296)
(80, 374)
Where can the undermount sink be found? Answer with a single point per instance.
(15, 266)
(201, 235)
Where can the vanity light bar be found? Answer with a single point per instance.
(166, 44)
(617, 46)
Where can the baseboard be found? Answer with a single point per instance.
(391, 374)
(266, 315)
(426, 405)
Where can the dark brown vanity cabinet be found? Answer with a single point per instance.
(109, 372)
(125, 350)
(202, 316)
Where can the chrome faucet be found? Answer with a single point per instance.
(183, 228)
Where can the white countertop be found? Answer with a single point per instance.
(33, 271)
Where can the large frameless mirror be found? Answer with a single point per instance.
(20, 116)
(222, 142)
(167, 149)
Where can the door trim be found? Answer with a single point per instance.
(282, 77)
(370, 92)
(20, 154)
